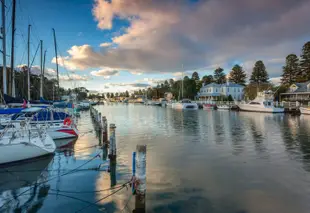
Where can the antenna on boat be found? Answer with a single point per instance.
(4, 48)
(12, 48)
(182, 81)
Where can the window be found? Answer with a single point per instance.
(215, 90)
(254, 103)
(234, 89)
(227, 89)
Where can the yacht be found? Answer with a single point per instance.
(19, 144)
(262, 103)
(184, 104)
(305, 110)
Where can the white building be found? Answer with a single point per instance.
(215, 91)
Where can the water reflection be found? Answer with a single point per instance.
(18, 178)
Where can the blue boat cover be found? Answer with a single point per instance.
(9, 111)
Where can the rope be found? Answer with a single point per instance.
(82, 209)
(126, 205)
(66, 173)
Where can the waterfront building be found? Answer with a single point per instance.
(215, 91)
(297, 92)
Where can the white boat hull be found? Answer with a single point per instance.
(305, 111)
(182, 106)
(253, 108)
(223, 107)
(24, 147)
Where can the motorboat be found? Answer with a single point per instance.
(209, 106)
(262, 103)
(84, 105)
(185, 104)
(305, 110)
(19, 144)
(223, 107)
(59, 124)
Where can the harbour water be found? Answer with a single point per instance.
(197, 161)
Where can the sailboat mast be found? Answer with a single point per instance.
(28, 63)
(55, 43)
(12, 48)
(41, 68)
(4, 48)
(182, 82)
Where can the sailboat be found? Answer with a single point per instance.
(22, 143)
(184, 103)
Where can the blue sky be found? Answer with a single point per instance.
(148, 41)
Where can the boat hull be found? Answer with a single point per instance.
(208, 106)
(185, 106)
(20, 149)
(251, 108)
(305, 111)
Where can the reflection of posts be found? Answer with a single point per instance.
(140, 183)
(112, 151)
(113, 172)
(104, 130)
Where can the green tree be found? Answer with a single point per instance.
(305, 61)
(219, 76)
(207, 79)
(230, 98)
(290, 70)
(116, 94)
(186, 78)
(102, 96)
(171, 83)
(112, 95)
(237, 75)
(259, 74)
(108, 95)
(127, 94)
(195, 76)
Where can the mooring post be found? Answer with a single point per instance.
(104, 130)
(140, 183)
(99, 120)
(133, 171)
(112, 153)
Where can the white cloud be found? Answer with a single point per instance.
(136, 73)
(105, 44)
(73, 77)
(36, 70)
(276, 81)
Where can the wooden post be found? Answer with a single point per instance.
(104, 130)
(140, 178)
(133, 171)
(112, 151)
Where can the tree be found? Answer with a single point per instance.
(186, 78)
(112, 95)
(290, 70)
(237, 75)
(108, 95)
(195, 76)
(305, 61)
(116, 94)
(259, 74)
(219, 76)
(207, 79)
(127, 94)
(171, 83)
(103, 96)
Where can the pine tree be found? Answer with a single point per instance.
(112, 95)
(237, 75)
(207, 79)
(219, 76)
(127, 94)
(195, 76)
(290, 70)
(305, 61)
(108, 95)
(259, 74)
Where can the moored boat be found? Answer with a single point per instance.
(223, 107)
(262, 103)
(209, 106)
(305, 110)
(23, 144)
(185, 104)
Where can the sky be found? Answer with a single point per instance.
(118, 45)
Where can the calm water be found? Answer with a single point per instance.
(197, 161)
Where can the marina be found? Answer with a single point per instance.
(256, 156)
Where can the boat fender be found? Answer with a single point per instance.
(67, 121)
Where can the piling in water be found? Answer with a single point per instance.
(112, 150)
(104, 130)
(140, 183)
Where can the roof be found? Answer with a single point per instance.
(229, 84)
(302, 87)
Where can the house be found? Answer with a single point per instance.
(215, 91)
(297, 92)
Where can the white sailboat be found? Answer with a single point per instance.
(305, 110)
(262, 103)
(184, 104)
(23, 144)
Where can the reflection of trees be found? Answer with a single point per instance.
(303, 140)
